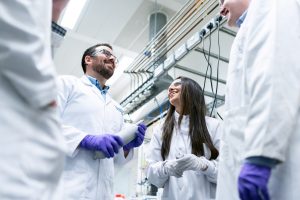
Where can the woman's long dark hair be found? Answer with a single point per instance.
(193, 104)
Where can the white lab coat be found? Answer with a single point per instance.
(192, 185)
(263, 99)
(31, 144)
(84, 111)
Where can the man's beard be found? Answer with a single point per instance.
(103, 71)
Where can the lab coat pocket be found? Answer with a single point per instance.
(49, 121)
(41, 164)
(107, 176)
(44, 157)
(51, 112)
(75, 184)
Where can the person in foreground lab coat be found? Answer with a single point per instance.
(31, 144)
(259, 158)
(90, 118)
(184, 148)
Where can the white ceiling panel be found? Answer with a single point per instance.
(123, 24)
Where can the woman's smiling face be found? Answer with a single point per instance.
(174, 93)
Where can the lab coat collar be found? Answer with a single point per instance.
(184, 126)
(95, 82)
(86, 81)
(185, 118)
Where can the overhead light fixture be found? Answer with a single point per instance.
(72, 13)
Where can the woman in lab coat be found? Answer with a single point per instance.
(184, 148)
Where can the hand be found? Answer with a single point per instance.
(169, 168)
(192, 162)
(108, 144)
(138, 140)
(253, 181)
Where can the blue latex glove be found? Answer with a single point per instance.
(108, 144)
(138, 140)
(253, 182)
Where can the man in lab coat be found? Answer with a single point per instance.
(259, 156)
(31, 144)
(91, 121)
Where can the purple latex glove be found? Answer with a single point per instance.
(253, 182)
(108, 144)
(138, 140)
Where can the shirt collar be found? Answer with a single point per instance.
(95, 82)
(241, 19)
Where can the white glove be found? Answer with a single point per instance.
(169, 168)
(192, 162)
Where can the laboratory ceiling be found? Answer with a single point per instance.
(125, 25)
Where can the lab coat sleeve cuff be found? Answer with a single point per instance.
(264, 161)
(74, 148)
(73, 137)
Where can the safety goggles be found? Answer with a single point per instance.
(105, 52)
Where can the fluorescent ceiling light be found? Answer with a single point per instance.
(72, 13)
(123, 64)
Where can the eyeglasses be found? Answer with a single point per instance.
(108, 54)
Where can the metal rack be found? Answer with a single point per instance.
(164, 44)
